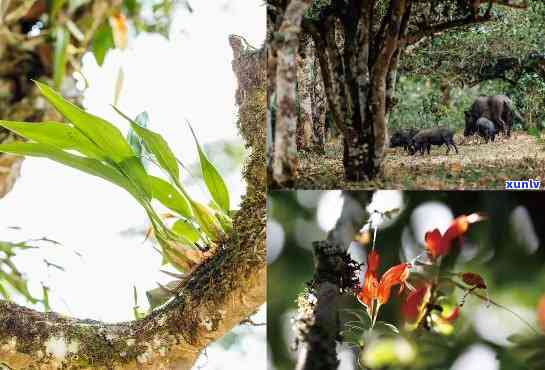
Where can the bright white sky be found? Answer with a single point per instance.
(190, 77)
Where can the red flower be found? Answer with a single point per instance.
(375, 293)
(413, 308)
(438, 245)
(541, 312)
(370, 283)
(395, 275)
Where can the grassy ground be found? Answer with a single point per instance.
(477, 166)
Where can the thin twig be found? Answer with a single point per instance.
(488, 299)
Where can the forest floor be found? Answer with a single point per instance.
(476, 166)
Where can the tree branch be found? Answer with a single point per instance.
(284, 161)
(317, 326)
(414, 37)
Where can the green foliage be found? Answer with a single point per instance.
(102, 42)
(214, 182)
(104, 152)
(531, 349)
(495, 51)
(421, 104)
(12, 280)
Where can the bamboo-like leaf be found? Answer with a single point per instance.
(207, 220)
(187, 230)
(60, 135)
(214, 182)
(170, 197)
(101, 132)
(88, 165)
(156, 145)
(62, 38)
(135, 171)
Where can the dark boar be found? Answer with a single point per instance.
(424, 139)
(486, 129)
(403, 138)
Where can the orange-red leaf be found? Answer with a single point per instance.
(473, 279)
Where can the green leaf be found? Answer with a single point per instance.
(170, 197)
(187, 230)
(156, 145)
(62, 38)
(101, 132)
(133, 139)
(88, 165)
(214, 182)
(207, 220)
(60, 135)
(135, 171)
(388, 326)
(103, 41)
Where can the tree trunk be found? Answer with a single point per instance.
(304, 83)
(319, 107)
(317, 325)
(221, 292)
(359, 72)
(287, 41)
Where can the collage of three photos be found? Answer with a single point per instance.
(279, 184)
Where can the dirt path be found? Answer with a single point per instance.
(477, 166)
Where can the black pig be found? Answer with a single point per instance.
(486, 129)
(433, 136)
(403, 138)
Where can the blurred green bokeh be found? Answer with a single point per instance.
(508, 250)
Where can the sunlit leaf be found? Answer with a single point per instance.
(88, 165)
(135, 171)
(186, 229)
(60, 135)
(156, 145)
(207, 220)
(214, 182)
(170, 197)
(105, 135)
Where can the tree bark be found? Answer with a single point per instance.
(304, 84)
(221, 292)
(287, 41)
(355, 79)
(317, 324)
(319, 107)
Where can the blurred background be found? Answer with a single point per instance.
(180, 74)
(508, 250)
